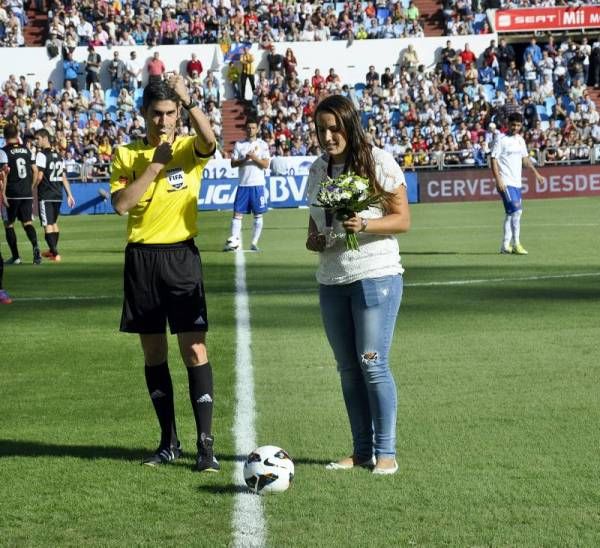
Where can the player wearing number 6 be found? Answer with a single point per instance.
(51, 180)
(17, 164)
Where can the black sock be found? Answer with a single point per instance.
(11, 240)
(201, 395)
(48, 238)
(52, 241)
(160, 388)
(30, 231)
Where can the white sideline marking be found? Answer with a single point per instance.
(249, 527)
(310, 290)
(459, 282)
(515, 279)
(495, 225)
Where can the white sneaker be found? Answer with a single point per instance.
(340, 465)
(386, 471)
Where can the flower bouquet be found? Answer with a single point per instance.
(344, 196)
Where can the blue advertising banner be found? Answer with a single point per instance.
(282, 191)
(218, 191)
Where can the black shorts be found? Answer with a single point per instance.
(163, 282)
(49, 212)
(18, 208)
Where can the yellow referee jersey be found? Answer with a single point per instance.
(168, 210)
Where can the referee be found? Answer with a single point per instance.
(157, 181)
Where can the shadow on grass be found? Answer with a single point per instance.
(229, 489)
(19, 448)
(24, 448)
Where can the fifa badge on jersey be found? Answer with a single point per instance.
(175, 178)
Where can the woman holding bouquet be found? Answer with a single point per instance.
(360, 285)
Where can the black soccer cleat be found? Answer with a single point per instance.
(206, 461)
(37, 256)
(164, 455)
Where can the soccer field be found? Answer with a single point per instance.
(496, 359)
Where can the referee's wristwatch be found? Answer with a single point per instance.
(190, 105)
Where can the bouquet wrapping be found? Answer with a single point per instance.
(345, 196)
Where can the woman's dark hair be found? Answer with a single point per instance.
(360, 154)
(158, 91)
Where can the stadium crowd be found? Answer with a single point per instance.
(423, 117)
(12, 20)
(193, 22)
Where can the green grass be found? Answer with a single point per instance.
(498, 382)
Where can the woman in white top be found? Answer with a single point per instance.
(360, 291)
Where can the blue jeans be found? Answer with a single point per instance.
(359, 320)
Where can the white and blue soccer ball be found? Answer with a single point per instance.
(232, 243)
(268, 469)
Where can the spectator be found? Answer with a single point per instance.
(471, 75)
(125, 101)
(505, 55)
(139, 33)
(233, 77)
(412, 12)
(447, 56)
(69, 91)
(85, 32)
(105, 150)
(290, 64)
(53, 45)
(534, 51)
(486, 75)
(97, 101)
(92, 67)
(248, 69)
(551, 48)
(71, 70)
(168, 29)
(156, 68)
(512, 76)
(410, 60)
(194, 64)
(274, 61)
(117, 70)
(595, 64)
(529, 73)
(134, 67)
(372, 77)
(211, 91)
(333, 81)
(467, 56)
(489, 56)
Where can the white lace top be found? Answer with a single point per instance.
(379, 254)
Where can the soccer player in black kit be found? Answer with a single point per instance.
(4, 296)
(16, 162)
(50, 182)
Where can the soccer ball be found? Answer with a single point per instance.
(268, 469)
(232, 243)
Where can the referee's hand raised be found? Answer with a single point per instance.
(163, 153)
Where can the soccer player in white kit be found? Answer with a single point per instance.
(509, 155)
(251, 157)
